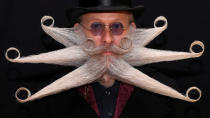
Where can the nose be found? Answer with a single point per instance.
(107, 37)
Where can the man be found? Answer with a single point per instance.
(100, 20)
(106, 25)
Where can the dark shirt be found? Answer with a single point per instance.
(106, 99)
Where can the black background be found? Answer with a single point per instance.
(20, 27)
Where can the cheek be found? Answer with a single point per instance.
(96, 39)
(117, 39)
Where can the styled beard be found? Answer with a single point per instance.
(84, 75)
(135, 77)
(93, 64)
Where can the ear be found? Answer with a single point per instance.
(133, 25)
(76, 25)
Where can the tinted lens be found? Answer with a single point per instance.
(97, 28)
(117, 28)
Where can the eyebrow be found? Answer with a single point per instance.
(114, 20)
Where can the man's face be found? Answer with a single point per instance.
(107, 36)
(111, 21)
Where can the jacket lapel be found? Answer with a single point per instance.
(124, 93)
(87, 93)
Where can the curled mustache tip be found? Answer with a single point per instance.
(12, 49)
(45, 18)
(188, 93)
(125, 43)
(89, 47)
(197, 54)
(158, 19)
(22, 100)
(124, 47)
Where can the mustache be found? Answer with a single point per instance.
(89, 46)
(54, 57)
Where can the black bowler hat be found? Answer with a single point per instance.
(87, 6)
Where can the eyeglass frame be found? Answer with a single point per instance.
(105, 25)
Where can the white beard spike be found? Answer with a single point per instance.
(82, 52)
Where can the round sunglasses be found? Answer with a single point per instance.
(98, 28)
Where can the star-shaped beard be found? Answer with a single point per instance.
(92, 64)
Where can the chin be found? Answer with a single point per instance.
(107, 84)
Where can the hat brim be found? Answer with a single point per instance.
(74, 13)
